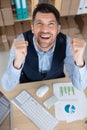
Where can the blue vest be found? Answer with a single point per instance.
(30, 71)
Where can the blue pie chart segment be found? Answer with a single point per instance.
(70, 108)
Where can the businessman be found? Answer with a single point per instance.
(41, 53)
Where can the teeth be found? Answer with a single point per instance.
(44, 37)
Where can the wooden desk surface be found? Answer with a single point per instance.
(21, 122)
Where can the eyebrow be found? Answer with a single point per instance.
(48, 21)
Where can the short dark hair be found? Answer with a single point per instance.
(46, 8)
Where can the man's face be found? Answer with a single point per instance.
(45, 29)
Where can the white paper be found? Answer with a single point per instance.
(72, 104)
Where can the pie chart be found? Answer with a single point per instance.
(70, 109)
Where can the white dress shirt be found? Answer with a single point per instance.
(78, 75)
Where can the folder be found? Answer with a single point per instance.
(24, 9)
(18, 9)
(85, 7)
(80, 8)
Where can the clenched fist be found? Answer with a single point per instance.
(78, 48)
(20, 49)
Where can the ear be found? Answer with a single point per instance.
(32, 28)
(59, 28)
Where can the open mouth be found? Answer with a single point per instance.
(44, 40)
(45, 37)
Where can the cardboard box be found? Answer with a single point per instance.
(7, 16)
(33, 5)
(1, 20)
(84, 30)
(84, 18)
(65, 7)
(58, 4)
(26, 26)
(72, 26)
(4, 46)
(64, 25)
(79, 21)
(74, 7)
(0, 37)
(5, 3)
(10, 33)
(82, 25)
(18, 27)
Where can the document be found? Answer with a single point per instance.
(72, 103)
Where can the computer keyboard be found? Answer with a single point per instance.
(4, 108)
(35, 111)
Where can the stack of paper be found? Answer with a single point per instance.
(72, 103)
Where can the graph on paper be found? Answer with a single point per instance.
(69, 108)
(65, 91)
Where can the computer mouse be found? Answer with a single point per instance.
(42, 90)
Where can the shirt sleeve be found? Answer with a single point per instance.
(12, 75)
(78, 75)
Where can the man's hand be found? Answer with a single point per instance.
(20, 48)
(78, 48)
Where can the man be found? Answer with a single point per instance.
(41, 53)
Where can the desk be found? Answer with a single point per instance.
(5, 125)
(21, 122)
